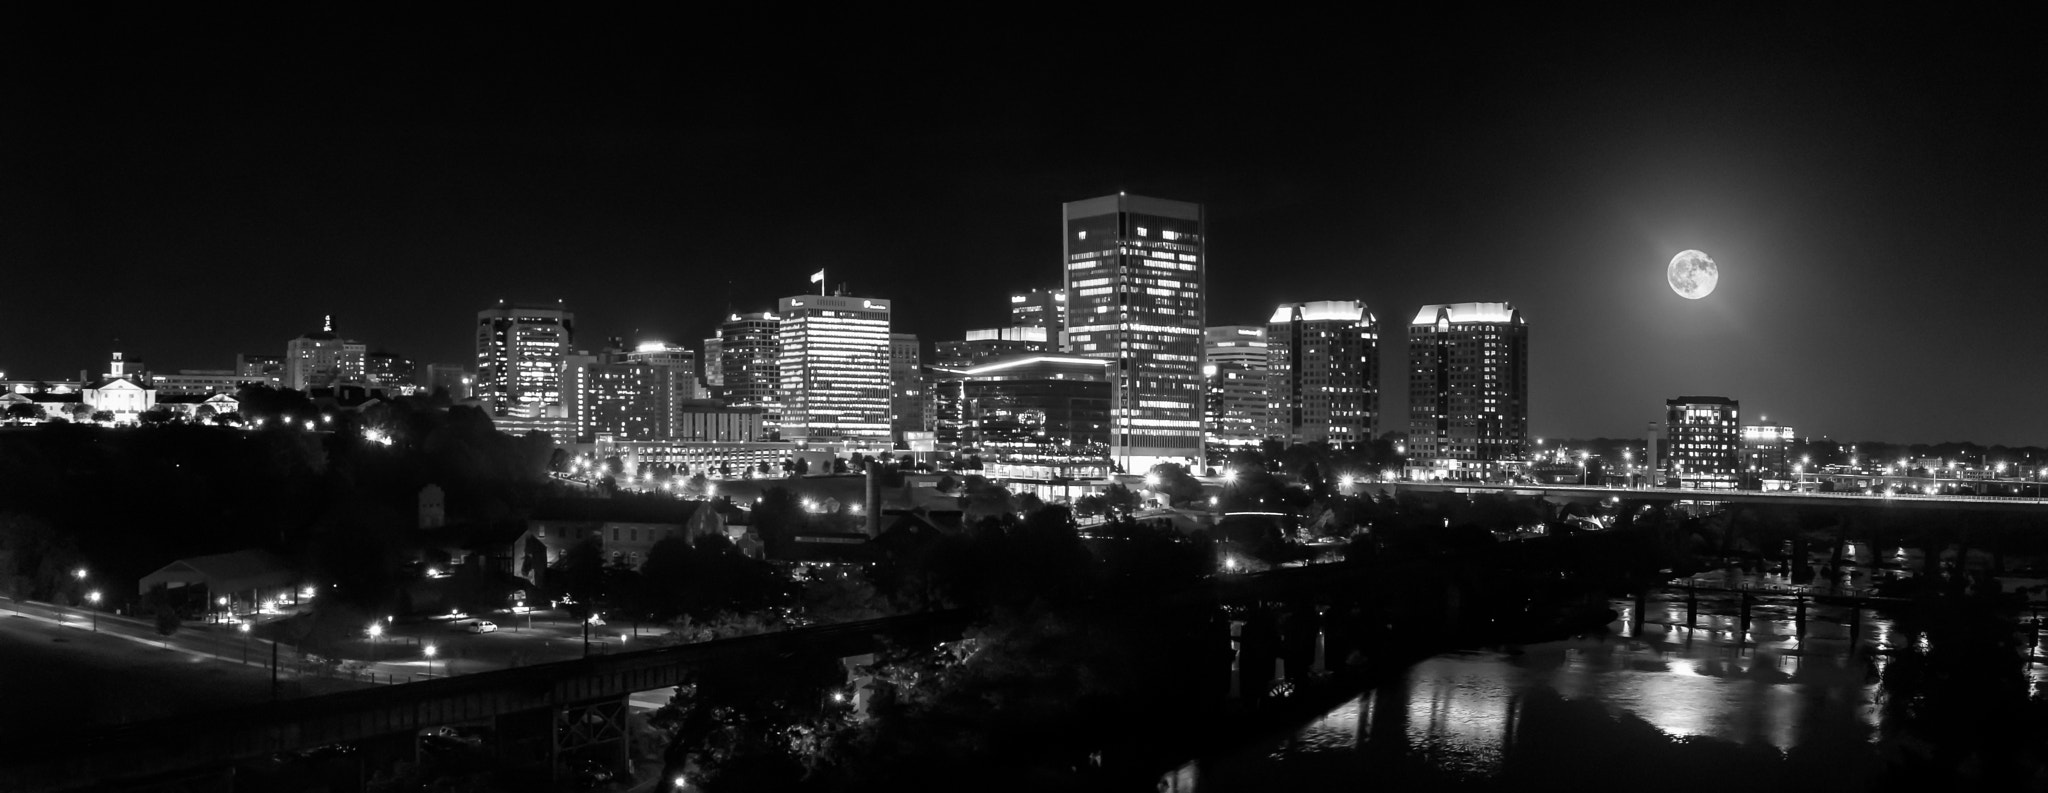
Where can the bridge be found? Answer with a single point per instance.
(557, 707)
(1780, 497)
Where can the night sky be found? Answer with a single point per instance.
(189, 188)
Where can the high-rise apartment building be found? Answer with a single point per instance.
(713, 375)
(636, 393)
(1324, 363)
(749, 350)
(1468, 390)
(1238, 411)
(322, 359)
(1134, 281)
(519, 356)
(1703, 441)
(834, 368)
(906, 386)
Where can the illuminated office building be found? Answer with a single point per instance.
(1468, 390)
(983, 344)
(1039, 403)
(1703, 441)
(1767, 450)
(749, 350)
(322, 359)
(1238, 411)
(1040, 308)
(834, 368)
(390, 372)
(519, 357)
(1324, 363)
(1134, 280)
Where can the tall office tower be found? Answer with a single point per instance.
(1134, 275)
(519, 352)
(1767, 450)
(322, 359)
(1468, 390)
(906, 386)
(679, 365)
(1040, 308)
(750, 345)
(1325, 364)
(1238, 414)
(835, 371)
(713, 375)
(983, 344)
(260, 369)
(1703, 441)
(389, 371)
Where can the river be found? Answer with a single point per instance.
(1649, 701)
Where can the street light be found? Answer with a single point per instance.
(245, 643)
(376, 630)
(93, 597)
(430, 660)
(222, 602)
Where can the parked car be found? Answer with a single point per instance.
(481, 626)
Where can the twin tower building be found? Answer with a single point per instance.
(1131, 312)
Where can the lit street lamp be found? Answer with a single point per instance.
(93, 597)
(376, 630)
(430, 660)
(245, 643)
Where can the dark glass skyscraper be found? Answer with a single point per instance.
(1468, 390)
(1134, 279)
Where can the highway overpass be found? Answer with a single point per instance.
(1781, 497)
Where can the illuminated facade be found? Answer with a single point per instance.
(985, 344)
(1703, 441)
(196, 382)
(834, 368)
(633, 394)
(1468, 390)
(1767, 450)
(519, 357)
(1052, 401)
(262, 369)
(749, 351)
(119, 392)
(1324, 363)
(1134, 270)
(322, 359)
(1238, 413)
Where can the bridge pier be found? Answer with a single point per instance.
(1800, 621)
(590, 731)
(1692, 605)
(1747, 600)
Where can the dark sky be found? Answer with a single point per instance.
(1872, 188)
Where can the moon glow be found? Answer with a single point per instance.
(1692, 275)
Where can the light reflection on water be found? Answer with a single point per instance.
(1456, 717)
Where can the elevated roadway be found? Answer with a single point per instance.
(1782, 497)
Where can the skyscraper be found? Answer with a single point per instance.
(906, 385)
(1134, 275)
(519, 352)
(1238, 391)
(1040, 308)
(1468, 390)
(834, 368)
(749, 346)
(1325, 364)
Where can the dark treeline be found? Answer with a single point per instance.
(124, 502)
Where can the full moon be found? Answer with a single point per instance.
(1692, 275)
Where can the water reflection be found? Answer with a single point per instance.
(1641, 693)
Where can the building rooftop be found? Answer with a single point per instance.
(1324, 311)
(1461, 313)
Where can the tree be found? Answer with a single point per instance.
(25, 411)
(1175, 484)
(103, 416)
(203, 413)
(162, 610)
(157, 416)
(78, 411)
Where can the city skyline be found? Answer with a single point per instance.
(1866, 196)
